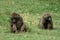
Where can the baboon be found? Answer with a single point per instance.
(46, 22)
(16, 23)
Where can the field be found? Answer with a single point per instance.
(30, 10)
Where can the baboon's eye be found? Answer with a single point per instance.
(49, 18)
(14, 20)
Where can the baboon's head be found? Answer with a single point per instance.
(47, 17)
(15, 17)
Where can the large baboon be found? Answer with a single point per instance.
(46, 22)
(16, 23)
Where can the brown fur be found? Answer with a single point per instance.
(46, 21)
(16, 23)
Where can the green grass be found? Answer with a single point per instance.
(30, 10)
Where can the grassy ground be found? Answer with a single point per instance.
(30, 10)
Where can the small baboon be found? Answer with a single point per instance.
(16, 23)
(46, 22)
